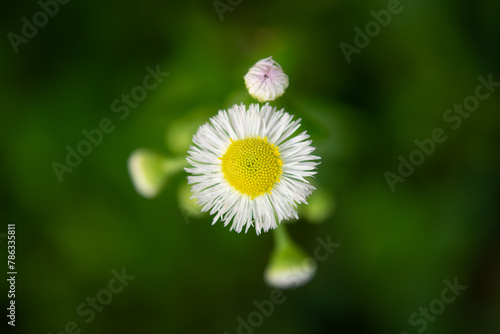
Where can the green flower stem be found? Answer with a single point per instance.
(174, 165)
(281, 237)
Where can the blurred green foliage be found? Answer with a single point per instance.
(190, 277)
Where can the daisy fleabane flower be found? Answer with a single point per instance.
(265, 80)
(248, 169)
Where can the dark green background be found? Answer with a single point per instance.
(191, 277)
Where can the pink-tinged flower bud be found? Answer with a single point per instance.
(265, 80)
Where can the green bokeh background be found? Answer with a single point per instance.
(397, 247)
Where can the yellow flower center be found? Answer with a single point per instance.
(252, 166)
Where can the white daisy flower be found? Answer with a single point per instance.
(247, 169)
(265, 80)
